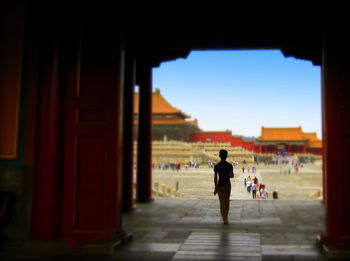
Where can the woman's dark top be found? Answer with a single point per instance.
(224, 169)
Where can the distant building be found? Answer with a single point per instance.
(168, 122)
(223, 136)
(272, 140)
(288, 140)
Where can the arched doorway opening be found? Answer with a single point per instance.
(236, 100)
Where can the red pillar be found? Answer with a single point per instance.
(47, 179)
(128, 166)
(336, 132)
(144, 148)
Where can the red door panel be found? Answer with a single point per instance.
(93, 137)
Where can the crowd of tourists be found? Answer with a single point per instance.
(249, 169)
(169, 166)
(258, 190)
(211, 164)
(193, 164)
(176, 165)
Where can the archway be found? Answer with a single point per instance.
(230, 93)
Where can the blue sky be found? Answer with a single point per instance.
(243, 90)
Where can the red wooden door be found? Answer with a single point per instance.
(93, 134)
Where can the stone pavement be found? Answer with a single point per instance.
(191, 229)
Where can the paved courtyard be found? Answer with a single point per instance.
(191, 229)
(198, 182)
(175, 229)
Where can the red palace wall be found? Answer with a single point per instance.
(211, 136)
(237, 141)
(223, 137)
(249, 145)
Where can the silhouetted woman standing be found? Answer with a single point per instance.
(223, 186)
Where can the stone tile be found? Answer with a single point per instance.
(277, 227)
(273, 238)
(155, 235)
(190, 220)
(309, 258)
(264, 220)
(220, 246)
(178, 234)
(144, 256)
(277, 258)
(290, 250)
(154, 247)
(213, 220)
(297, 239)
(309, 228)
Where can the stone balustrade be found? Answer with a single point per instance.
(163, 191)
(316, 194)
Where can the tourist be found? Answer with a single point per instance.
(243, 169)
(296, 168)
(264, 193)
(224, 171)
(249, 185)
(254, 190)
(255, 180)
(257, 196)
(245, 182)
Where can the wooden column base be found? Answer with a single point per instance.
(334, 252)
(149, 200)
(107, 247)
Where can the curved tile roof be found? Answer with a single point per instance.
(160, 105)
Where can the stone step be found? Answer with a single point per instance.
(220, 246)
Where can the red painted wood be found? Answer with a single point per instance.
(128, 166)
(144, 149)
(47, 178)
(336, 135)
(93, 145)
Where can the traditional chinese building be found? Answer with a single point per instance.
(168, 122)
(272, 140)
(288, 140)
(223, 136)
(314, 145)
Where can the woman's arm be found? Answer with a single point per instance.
(215, 182)
(231, 173)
